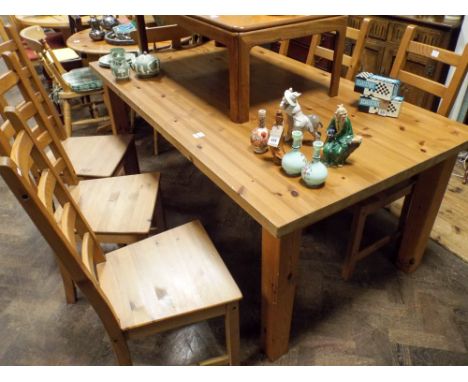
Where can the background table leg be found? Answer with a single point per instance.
(279, 273)
(427, 196)
(118, 112)
(337, 60)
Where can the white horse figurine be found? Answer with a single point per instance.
(297, 120)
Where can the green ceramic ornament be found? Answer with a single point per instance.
(341, 141)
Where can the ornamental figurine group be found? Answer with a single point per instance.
(339, 143)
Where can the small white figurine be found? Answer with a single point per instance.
(297, 120)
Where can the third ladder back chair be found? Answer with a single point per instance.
(76, 85)
(167, 281)
(353, 62)
(447, 93)
(105, 154)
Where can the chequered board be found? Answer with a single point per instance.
(381, 89)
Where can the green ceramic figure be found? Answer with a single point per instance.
(340, 141)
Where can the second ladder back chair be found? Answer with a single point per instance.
(353, 62)
(447, 93)
(105, 154)
(77, 84)
(166, 281)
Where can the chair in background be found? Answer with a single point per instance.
(78, 84)
(172, 36)
(106, 155)
(167, 281)
(353, 62)
(447, 92)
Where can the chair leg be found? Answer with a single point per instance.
(232, 333)
(357, 229)
(122, 352)
(68, 285)
(155, 142)
(67, 117)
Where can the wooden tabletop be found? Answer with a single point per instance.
(247, 23)
(48, 21)
(191, 95)
(81, 42)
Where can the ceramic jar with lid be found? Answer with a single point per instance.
(315, 173)
(146, 65)
(294, 161)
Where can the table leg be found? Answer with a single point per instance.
(239, 81)
(279, 273)
(426, 198)
(118, 112)
(337, 61)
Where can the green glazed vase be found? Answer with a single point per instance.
(294, 161)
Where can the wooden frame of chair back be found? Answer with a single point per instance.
(13, 43)
(448, 93)
(60, 231)
(31, 108)
(351, 62)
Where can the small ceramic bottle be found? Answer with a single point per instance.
(315, 173)
(294, 161)
(259, 135)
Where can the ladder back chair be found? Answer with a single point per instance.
(447, 93)
(77, 84)
(166, 281)
(173, 33)
(122, 209)
(106, 155)
(353, 62)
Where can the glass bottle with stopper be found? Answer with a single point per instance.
(259, 135)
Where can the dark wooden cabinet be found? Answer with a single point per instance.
(382, 44)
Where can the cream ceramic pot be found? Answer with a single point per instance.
(146, 65)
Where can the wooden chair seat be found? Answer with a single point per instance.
(119, 209)
(175, 273)
(97, 156)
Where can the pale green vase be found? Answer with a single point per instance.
(294, 161)
(315, 173)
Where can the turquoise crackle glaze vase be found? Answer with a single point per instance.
(294, 161)
(315, 173)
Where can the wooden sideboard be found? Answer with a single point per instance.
(382, 45)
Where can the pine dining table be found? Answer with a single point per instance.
(188, 103)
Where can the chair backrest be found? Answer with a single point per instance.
(35, 106)
(57, 216)
(36, 40)
(447, 93)
(351, 62)
(144, 35)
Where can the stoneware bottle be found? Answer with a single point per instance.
(259, 135)
(315, 173)
(119, 65)
(294, 161)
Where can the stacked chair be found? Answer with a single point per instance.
(80, 85)
(150, 285)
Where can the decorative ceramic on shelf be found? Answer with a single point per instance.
(297, 120)
(294, 161)
(340, 141)
(259, 135)
(108, 22)
(315, 173)
(146, 65)
(119, 65)
(96, 34)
